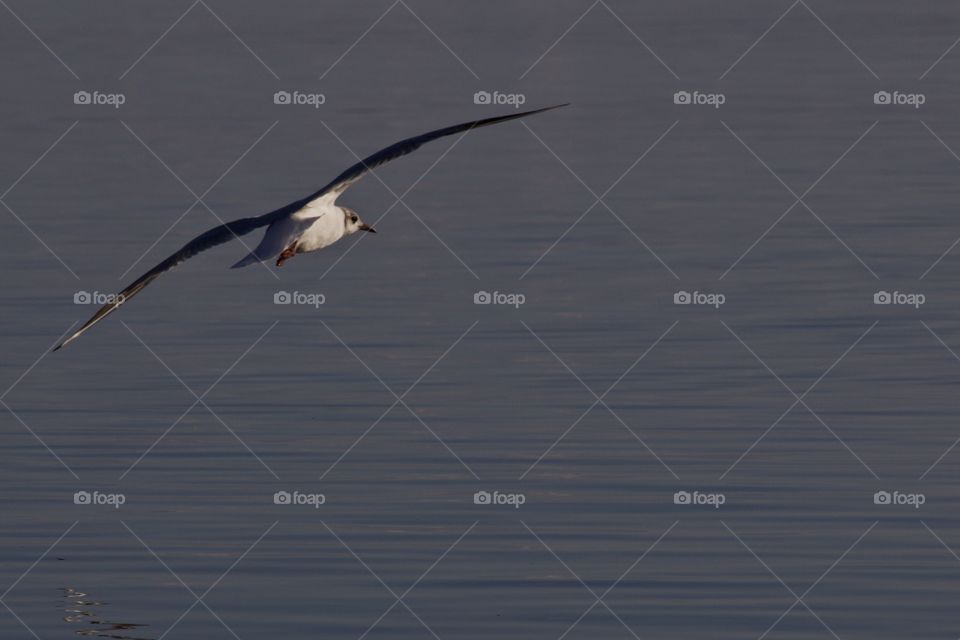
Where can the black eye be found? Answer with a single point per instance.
(353, 218)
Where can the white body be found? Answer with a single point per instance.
(317, 225)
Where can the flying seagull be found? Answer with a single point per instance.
(302, 226)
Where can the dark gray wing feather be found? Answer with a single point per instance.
(216, 236)
(342, 182)
(235, 229)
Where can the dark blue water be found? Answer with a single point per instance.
(654, 470)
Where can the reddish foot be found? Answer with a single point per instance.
(288, 253)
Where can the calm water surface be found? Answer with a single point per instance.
(597, 404)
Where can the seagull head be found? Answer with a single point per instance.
(353, 223)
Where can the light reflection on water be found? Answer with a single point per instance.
(88, 619)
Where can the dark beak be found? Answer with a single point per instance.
(366, 227)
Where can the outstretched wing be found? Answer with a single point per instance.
(208, 240)
(342, 182)
(230, 230)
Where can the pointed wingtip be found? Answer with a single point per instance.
(64, 343)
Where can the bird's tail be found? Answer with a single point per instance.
(250, 258)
